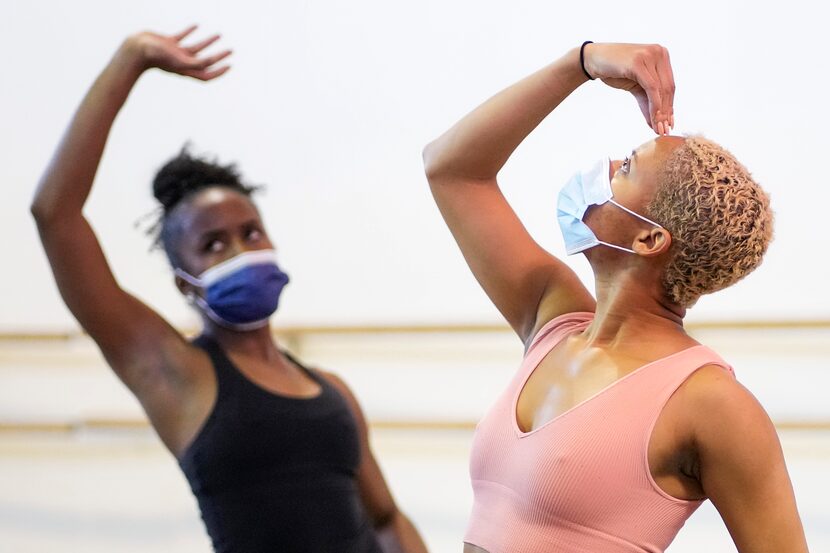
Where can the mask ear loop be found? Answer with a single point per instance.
(188, 277)
(192, 298)
(647, 220)
(616, 247)
(637, 215)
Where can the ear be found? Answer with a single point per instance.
(186, 289)
(652, 243)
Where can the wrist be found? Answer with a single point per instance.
(130, 56)
(572, 65)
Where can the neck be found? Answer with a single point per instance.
(259, 343)
(626, 310)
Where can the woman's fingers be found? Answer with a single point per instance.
(642, 101)
(661, 95)
(205, 69)
(199, 46)
(208, 74)
(649, 80)
(181, 35)
(204, 63)
(666, 74)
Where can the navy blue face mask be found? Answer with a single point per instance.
(242, 292)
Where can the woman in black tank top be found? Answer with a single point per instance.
(276, 454)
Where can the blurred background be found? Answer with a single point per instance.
(328, 105)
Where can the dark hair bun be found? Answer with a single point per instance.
(185, 174)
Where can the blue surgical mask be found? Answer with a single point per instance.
(584, 189)
(242, 292)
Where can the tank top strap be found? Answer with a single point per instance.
(227, 375)
(311, 373)
(661, 379)
(553, 332)
(679, 367)
(557, 328)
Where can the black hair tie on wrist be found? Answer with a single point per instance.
(582, 58)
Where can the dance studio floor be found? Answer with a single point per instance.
(117, 490)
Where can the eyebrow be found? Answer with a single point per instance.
(252, 221)
(211, 234)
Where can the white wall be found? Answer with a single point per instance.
(330, 103)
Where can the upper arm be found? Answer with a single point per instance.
(742, 468)
(374, 491)
(141, 347)
(527, 284)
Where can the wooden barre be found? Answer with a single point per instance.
(298, 331)
(402, 424)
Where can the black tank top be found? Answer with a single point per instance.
(277, 474)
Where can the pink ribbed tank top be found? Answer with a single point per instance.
(580, 482)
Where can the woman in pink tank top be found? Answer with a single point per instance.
(618, 424)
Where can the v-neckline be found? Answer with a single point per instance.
(514, 414)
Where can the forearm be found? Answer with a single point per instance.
(479, 144)
(68, 178)
(399, 535)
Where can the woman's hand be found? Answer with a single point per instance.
(644, 70)
(169, 54)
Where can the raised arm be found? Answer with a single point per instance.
(527, 284)
(139, 345)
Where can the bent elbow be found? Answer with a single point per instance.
(433, 168)
(38, 210)
(44, 212)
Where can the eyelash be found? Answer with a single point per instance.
(209, 246)
(626, 164)
(248, 235)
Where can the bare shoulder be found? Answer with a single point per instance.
(723, 415)
(741, 464)
(712, 394)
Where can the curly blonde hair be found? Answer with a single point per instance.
(719, 219)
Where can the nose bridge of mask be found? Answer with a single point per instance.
(596, 183)
(227, 267)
